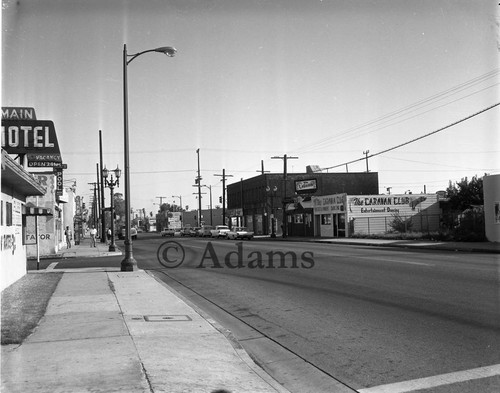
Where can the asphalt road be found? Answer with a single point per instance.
(365, 316)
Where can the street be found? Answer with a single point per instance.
(364, 316)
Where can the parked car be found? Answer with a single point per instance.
(240, 233)
(186, 231)
(206, 231)
(133, 233)
(220, 231)
(194, 231)
(168, 232)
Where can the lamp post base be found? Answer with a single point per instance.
(112, 248)
(129, 264)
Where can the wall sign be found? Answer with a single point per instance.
(35, 138)
(306, 186)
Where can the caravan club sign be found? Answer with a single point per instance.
(23, 134)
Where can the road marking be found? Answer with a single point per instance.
(437, 380)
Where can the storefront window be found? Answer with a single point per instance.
(299, 219)
(8, 215)
(326, 219)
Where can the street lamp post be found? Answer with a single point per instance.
(111, 184)
(129, 263)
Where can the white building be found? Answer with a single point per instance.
(17, 185)
(343, 215)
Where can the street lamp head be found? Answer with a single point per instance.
(170, 51)
(118, 172)
(105, 172)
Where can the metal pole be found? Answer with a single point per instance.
(103, 215)
(366, 158)
(284, 197)
(128, 263)
(112, 209)
(211, 214)
(199, 188)
(98, 211)
(223, 196)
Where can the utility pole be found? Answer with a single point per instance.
(161, 198)
(285, 158)
(366, 157)
(198, 183)
(94, 203)
(101, 177)
(180, 200)
(99, 212)
(224, 195)
(262, 171)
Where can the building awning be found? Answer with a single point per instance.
(16, 177)
(300, 204)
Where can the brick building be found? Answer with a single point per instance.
(258, 203)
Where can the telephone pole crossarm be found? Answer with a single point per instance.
(224, 195)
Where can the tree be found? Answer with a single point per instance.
(466, 200)
(119, 203)
(464, 194)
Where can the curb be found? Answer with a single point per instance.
(402, 244)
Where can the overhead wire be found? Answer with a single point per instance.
(405, 111)
(416, 139)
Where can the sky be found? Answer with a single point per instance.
(323, 81)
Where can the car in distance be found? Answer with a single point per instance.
(168, 232)
(186, 231)
(206, 231)
(240, 233)
(220, 231)
(193, 231)
(133, 233)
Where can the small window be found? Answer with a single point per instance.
(326, 219)
(8, 214)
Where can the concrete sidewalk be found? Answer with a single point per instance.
(111, 331)
(84, 249)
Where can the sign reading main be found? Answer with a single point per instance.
(18, 113)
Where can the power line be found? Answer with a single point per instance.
(416, 139)
(408, 109)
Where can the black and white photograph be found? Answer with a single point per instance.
(259, 196)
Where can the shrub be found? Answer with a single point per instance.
(399, 224)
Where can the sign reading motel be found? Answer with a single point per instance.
(36, 138)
